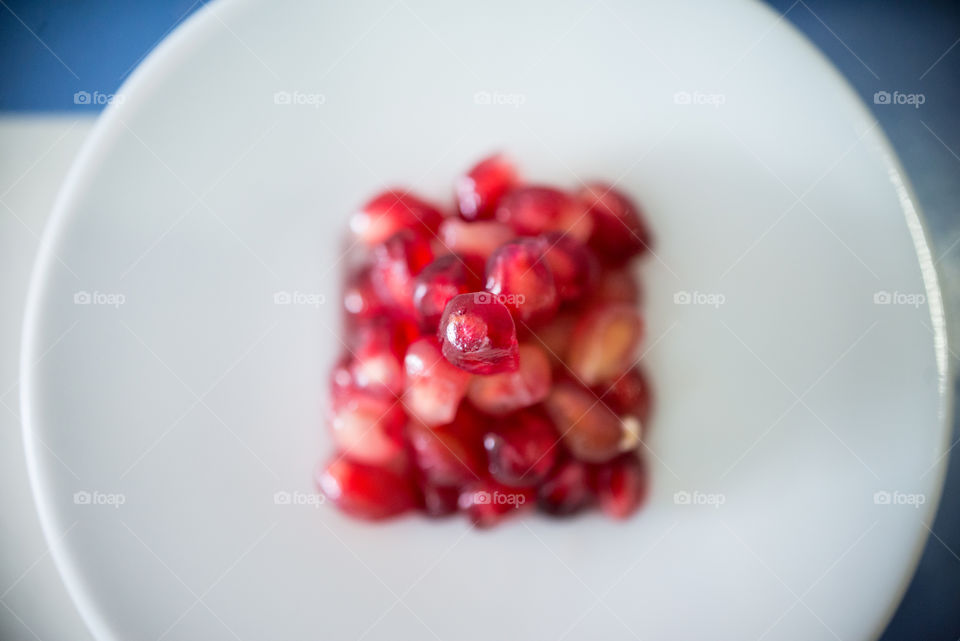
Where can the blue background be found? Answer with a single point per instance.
(50, 50)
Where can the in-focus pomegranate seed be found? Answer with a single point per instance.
(574, 267)
(392, 211)
(439, 282)
(366, 491)
(591, 431)
(605, 343)
(621, 485)
(518, 277)
(474, 239)
(619, 231)
(535, 209)
(567, 490)
(522, 449)
(488, 502)
(500, 394)
(478, 334)
(434, 386)
(480, 189)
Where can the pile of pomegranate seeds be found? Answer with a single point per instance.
(491, 354)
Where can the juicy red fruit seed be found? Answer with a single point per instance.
(450, 455)
(366, 491)
(621, 485)
(628, 394)
(488, 502)
(619, 231)
(591, 431)
(396, 262)
(605, 343)
(439, 500)
(474, 239)
(480, 189)
(392, 211)
(500, 394)
(439, 282)
(360, 299)
(532, 210)
(434, 386)
(518, 277)
(375, 365)
(478, 334)
(367, 428)
(567, 490)
(574, 267)
(522, 450)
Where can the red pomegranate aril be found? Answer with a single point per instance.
(617, 286)
(366, 491)
(449, 455)
(518, 277)
(522, 449)
(375, 363)
(554, 337)
(619, 231)
(393, 211)
(396, 262)
(573, 266)
(439, 501)
(621, 485)
(605, 343)
(567, 490)
(360, 298)
(434, 386)
(591, 431)
(368, 428)
(628, 394)
(500, 394)
(439, 282)
(474, 239)
(478, 334)
(534, 209)
(480, 189)
(486, 503)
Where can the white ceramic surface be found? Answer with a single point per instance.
(182, 398)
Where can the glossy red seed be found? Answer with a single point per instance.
(396, 262)
(500, 394)
(437, 284)
(534, 209)
(449, 455)
(480, 189)
(488, 502)
(392, 211)
(474, 239)
(573, 266)
(439, 501)
(478, 334)
(434, 386)
(518, 278)
(367, 428)
(366, 491)
(621, 485)
(628, 394)
(360, 298)
(567, 490)
(522, 448)
(591, 431)
(619, 231)
(605, 343)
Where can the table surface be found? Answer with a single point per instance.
(51, 51)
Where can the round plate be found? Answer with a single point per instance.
(183, 314)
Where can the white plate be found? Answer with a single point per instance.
(191, 404)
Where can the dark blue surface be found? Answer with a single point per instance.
(49, 51)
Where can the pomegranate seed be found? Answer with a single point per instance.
(621, 485)
(520, 280)
(439, 501)
(617, 286)
(368, 428)
(478, 334)
(366, 491)
(523, 449)
(396, 262)
(532, 210)
(629, 394)
(619, 232)
(566, 490)
(440, 281)
(393, 211)
(360, 299)
(573, 266)
(590, 430)
(487, 502)
(605, 343)
(449, 455)
(479, 191)
(554, 337)
(500, 394)
(434, 386)
(474, 239)
(375, 364)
